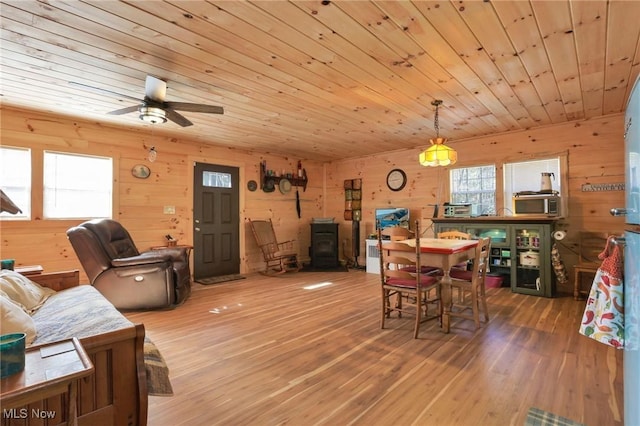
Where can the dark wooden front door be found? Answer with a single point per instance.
(216, 229)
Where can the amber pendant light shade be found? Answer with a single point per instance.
(438, 154)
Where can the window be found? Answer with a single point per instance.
(216, 179)
(77, 186)
(527, 175)
(15, 180)
(475, 185)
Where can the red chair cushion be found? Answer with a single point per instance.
(461, 275)
(490, 281)
(423, 269)
(425, 280)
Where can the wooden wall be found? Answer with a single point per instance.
(594, 149)
(139, 203)
(595, 155)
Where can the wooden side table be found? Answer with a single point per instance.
(51, 369)
(184, 246)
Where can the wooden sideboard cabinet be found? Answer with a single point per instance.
(520, 249)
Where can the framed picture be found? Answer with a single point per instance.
(141, 171)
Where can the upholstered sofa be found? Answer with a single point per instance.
(116, 393)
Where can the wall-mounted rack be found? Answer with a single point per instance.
(295, 180)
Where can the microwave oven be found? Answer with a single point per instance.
(536, 205)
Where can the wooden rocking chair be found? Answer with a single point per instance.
(279, 257)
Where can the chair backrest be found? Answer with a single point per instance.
(97, 242)
(265, 236)
(397, 233)
(113, 237)
(481, 260)
(454, 235)
(392, 254)
(590, 245)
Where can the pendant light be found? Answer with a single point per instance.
(438, 154)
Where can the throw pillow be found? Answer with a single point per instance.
(22, 291)
(16, 320)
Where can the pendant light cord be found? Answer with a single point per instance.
(436, 122)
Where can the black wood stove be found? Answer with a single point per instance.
(324, 245)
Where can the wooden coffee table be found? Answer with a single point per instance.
(50, 369)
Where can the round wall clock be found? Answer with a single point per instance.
(396, 179)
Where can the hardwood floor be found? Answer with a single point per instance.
(267, 351)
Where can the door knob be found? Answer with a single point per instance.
(618, 212)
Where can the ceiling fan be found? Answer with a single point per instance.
(154, 109)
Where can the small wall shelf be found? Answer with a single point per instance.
(294, 180)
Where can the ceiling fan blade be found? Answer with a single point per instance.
(177, 118)
(126, 110)
(185, 106)
(155, 89)
(101, 91)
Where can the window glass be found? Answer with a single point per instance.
(15, 180)
(77, 186)
(216, 179)
(474, 185)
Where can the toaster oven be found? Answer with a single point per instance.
(461, 210)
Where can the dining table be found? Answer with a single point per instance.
(444, 254)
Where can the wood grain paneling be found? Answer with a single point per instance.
(593, 147)
(325, 80)
(138, 203)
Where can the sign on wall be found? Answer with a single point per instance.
(598, 187)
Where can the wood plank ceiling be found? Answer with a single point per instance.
(326, 79)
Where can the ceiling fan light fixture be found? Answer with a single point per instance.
(152, 115)
(438, 154)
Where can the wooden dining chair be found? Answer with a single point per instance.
(472, 291)
(454, 235)
(590, 245)
(399, 233)
(412, 291)
(459, 270)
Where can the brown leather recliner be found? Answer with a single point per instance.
(127, 278)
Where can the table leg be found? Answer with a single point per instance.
(72, 413)
(445, 299)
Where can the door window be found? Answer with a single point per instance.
(216, 179)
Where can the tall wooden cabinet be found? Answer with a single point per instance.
(520, 249)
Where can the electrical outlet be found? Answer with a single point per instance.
(169, 209)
